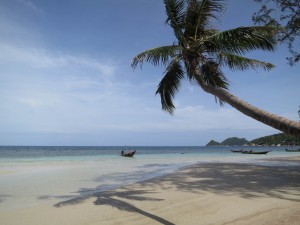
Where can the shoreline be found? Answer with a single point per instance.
(206, 193)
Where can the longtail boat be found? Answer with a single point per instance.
(236, 151)
(292, 150)
(128, 154)
(253, 152)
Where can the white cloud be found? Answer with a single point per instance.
(33, 7)
(41, 58)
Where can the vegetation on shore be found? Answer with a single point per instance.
(280, 139)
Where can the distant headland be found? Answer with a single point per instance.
(271, 140)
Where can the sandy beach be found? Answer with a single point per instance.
(210, 193)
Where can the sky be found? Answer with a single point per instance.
(66, 79)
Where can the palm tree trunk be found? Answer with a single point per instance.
(275, 121)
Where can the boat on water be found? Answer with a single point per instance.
(249, 151)
(254, 152)
(292, 150)
(128, 154)
(236, 151)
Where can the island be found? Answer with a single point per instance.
(280, 139)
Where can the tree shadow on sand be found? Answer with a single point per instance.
(117, 199)
(248, 181)
(245, 180)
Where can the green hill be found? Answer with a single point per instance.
(234, 141)
(213, 143)
(229, 141)
(275, 139)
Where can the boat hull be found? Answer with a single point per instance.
(129, 154)
(257, 153)
(292, 150)
(236, 151)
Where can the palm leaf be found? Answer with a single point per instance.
(175, 10)
(206, 10)
(213, 76)
(155, 56)
(169, 85)
(199, 14)
(243, 39)
(236, 62)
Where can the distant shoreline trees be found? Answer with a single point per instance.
(270, 140)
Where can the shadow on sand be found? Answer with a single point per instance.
(247, 181)
(113, 198)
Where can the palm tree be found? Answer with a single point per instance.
(200, 51)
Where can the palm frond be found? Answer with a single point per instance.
(155, 56)
(169, 85)
(206, 11)
(210, 75)
(243, 39)
(236, 62)
(175, 10)
(199, 14)
(213, 76)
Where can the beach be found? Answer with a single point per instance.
(203, 193)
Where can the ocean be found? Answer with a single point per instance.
(33, 175)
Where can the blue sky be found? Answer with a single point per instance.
(66, 79)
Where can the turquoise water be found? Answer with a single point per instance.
(43, 175)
